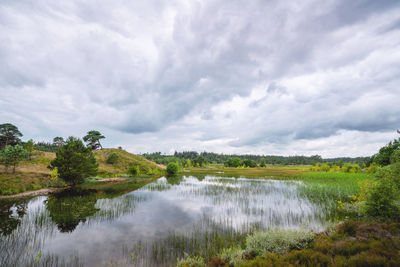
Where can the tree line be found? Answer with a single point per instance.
(248, 160)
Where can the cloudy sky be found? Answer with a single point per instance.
(267, 77)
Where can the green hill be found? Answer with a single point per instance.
(123, 162)
(34, 174)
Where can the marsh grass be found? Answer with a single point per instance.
(330, 190)
(269, 172)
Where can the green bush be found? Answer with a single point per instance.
(133, 170)
(191, 262)
(112, 158)
(380, 200)
(172, 168)
(232, 256)
(278, 241)
(74, 162)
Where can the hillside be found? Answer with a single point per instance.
(124, 161)
(34, 174)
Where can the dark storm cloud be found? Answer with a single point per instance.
(241, 73)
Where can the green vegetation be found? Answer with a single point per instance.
(58, 141)
(351, 244)
(383, 198)
(46, 147)
(92, 138)
(125, 161)
(337, 167)
(232, 256)
(133, 170)
(68, 208)
(9, 135)
(34, 174)
(277, 241)
(74, 162)
(172, 169)
(382, 158)
(262, 162)
(209, 158)
(112, 158)
(12, 155)
(29, 147)
(191, 261)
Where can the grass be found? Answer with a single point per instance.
(269, 172)
(124, 161)
(333, 185)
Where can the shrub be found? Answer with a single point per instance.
(395, 157)
(278, 241)
(249, 163)
(217, 262)
(308, 257)
(233, 256)
(188, 261)
(133, 170)
(54, 174)
(325, 167)
(381, 199)
(172, 168)
(112, 158)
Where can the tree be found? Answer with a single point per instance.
(74, 161)
(29, 147)
(172, 169)
(9, 135)
(12, 155)
(188, 163)
(58, 141)
(249, 163)
(236, 162)
(200, 160)
(383, 157)
(93, 139)
(262, 163)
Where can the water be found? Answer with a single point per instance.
(151, 226)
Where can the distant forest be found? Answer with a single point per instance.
(210, 158)
(215, 158)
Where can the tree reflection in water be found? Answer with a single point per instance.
(11, 213)
(68, 208)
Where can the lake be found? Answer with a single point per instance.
(152, 226)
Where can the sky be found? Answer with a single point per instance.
(263, 77)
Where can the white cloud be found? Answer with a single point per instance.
(262, 77)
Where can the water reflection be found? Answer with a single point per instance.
(70, 207)
(11, 213)
(153, 225)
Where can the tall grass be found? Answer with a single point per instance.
(330, 190)
(332, 185)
